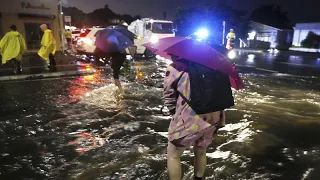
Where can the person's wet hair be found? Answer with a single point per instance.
(13, 27)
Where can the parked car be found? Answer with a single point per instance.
(75, 35)
(86, 42)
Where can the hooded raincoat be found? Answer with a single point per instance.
(12, 46)
(48, 45)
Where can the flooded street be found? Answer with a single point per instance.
(77, 128)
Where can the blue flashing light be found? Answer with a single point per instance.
(202, 33)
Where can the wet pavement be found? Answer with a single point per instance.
(78, 128)
(282, 62)
(33, 65)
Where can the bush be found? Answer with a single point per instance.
(312, 40)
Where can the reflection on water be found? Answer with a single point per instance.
(251, 59)
(295, 59)
(81, 85)
(271, 132)
(286, 63)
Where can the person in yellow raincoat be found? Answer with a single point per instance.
(69, 38)
(48, 46)
(12, 47)
(231, 37)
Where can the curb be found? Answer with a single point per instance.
(47, 75)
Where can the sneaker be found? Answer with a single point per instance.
(46, 65)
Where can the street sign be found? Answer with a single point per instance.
(67, 19)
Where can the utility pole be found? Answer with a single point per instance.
(224, 31)
(61, 28)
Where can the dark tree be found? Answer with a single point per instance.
(102, 17)
(272, 15)
(312, 40)
(78, 17)
(99, 17)
(127, 18)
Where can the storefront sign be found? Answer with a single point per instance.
(67, 19)
(28, 5)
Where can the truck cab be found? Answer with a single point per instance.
(150, 30)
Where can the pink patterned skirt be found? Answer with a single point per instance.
(200, 139)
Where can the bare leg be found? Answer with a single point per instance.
(174, 162)
(117, 83)
(200, 161)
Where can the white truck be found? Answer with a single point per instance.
(150, 30)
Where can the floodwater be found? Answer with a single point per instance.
(307, 64)
(78, 128)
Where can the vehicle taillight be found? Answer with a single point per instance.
(85, 33)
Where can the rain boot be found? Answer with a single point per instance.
(19, 67)
(14, 66)
(52, 61)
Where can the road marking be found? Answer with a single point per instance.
(296, 64)
(296, 76)
(239, 65)
(267, 70)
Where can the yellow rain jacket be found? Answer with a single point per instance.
(68, 34)
(231, 35)
(48, 45)
(12, 45)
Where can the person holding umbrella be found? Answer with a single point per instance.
(113, 42)
(197, 90)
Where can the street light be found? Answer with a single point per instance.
(224, 31)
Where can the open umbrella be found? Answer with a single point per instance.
(159, 47)
(200, 53)
(114, 39)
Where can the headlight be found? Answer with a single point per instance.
(232, 55)
(154, 39)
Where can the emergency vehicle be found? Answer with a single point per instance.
(150, 30)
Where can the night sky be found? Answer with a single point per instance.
(299, 10)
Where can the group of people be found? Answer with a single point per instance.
(13, 47)
(190, 125)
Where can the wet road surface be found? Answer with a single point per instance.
(285, 63)
(78, 128)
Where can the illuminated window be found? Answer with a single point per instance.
(162, 28)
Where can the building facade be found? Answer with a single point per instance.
(301, 31)
(28, 15)
(269, 37)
